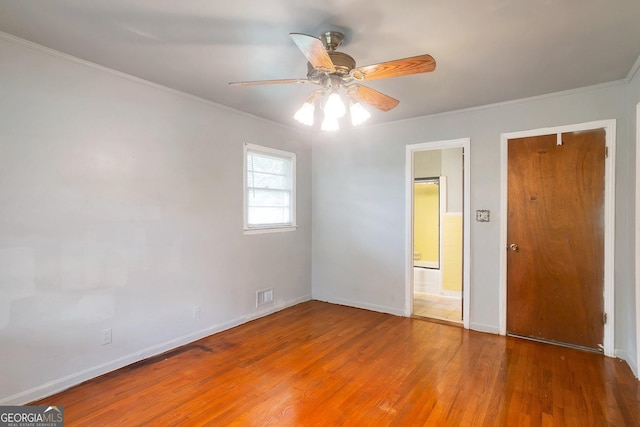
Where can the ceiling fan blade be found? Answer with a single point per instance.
(397, 68)
(270, 82)
(372, 97)
(314, 50)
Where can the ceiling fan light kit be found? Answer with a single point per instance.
(305, 114)
(330, 123)
(334, 106)
(358, 113)
(336, 72)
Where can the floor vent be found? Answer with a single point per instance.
(264, 297)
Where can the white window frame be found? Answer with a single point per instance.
(271, 228)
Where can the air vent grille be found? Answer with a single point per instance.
(264, 297)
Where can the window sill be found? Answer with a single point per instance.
(276, 229)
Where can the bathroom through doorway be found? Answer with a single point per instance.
(437, 238)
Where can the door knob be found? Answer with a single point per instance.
(514, 247)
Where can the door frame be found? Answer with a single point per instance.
(465, 144)
(609, 219)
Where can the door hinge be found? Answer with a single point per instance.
(606, 152)
(604, 318)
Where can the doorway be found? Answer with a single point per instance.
(437, 272)
(557, 235)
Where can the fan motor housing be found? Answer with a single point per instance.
(342, 62)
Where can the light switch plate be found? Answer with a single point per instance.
(483, 215)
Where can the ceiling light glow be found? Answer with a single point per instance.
(334, 106)
(329, 123)
(358, 113)
(305, 114)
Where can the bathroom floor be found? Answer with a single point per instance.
(437, 307)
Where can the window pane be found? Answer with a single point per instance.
(261, 163)
(261, 216)
(274, 198)
(263, 180)
(270, 188)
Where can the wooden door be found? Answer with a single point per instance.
(555, 238)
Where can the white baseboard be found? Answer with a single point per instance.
(64, 383)
(634, 367)
(481, 327)
(622, 354)
(357, 304)
(455, 294)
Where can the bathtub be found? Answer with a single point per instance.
(425, 264)
(426, 280)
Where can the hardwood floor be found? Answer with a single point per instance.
(318, 364)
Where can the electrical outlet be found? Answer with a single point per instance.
(196, 312)
(106, 336)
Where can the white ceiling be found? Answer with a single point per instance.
(487, 51)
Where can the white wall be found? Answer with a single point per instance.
(358, 209)
(633, 317)
(121, 207)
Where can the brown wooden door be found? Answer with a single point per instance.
(555, 274)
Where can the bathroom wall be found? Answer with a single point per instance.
(451, 160)
(427, 164)
(452, 254)
(452, 222)
(448, 163)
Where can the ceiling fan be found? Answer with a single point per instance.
(336, 71)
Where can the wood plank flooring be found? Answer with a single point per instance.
(319, 364)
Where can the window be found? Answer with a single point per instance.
(269, 189)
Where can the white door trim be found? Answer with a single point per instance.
(609, 220)
(465, 144)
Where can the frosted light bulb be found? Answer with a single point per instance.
(358, 114)
(334, 106)
(329, 123)
(305, 114)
